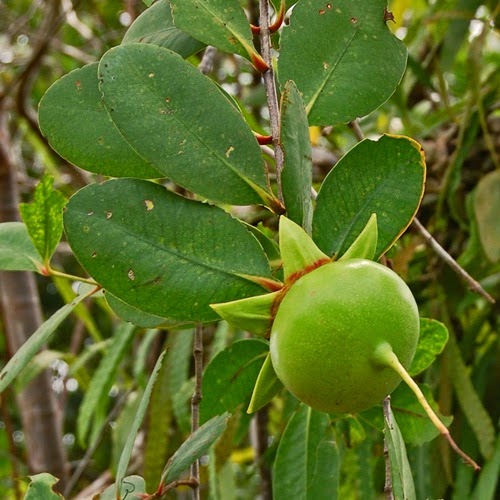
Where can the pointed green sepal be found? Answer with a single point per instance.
(298, 251)
(267, 386)
(365, 245)
(253, 314)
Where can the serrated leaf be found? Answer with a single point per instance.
(17, 251)
(103, 379)
(486, 210)
(194, 447)
(385, 177)
(221, 23)
(356, 62)
(170, 124)
(156, 26)
(307, 464)
(296, 177)
(28, 350)
(73, 118)
(431, 342)
(266, 387)
(134, 429)
(43, 217)
(196, 253)
(40, 487)
(231, 376)
(402, 479)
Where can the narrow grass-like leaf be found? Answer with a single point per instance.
(490, 476)
(139, 417)
(103, 379)
(17, 251)
(194, 447)
(470, 402)
(42, 335)
(307, 463)
(402, 479)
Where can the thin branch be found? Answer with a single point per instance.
(271, 92)
(386, 404)
(207, 61)
(473, 285)
(195, 401)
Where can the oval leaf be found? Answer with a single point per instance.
(343, 58)
(170, 122)
(231, 376)
(156, 26)
(221, 23)
(162, 253)
(385, 177)
(73, 118)
(307, 462)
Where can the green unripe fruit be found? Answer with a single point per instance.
(332, 330)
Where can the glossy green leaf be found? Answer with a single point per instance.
(402, 479)
(231, 376)
(431, 342)
(343, 58)
(486, 209)
(43, 217)
(385, 177)
(28, 350)
(156, 26)
(296, 178)
(365, 245)
(40, 487)
(17, 251)
(307, 461)
(162, 253)
(103, 379)
(73, 118)
(267, 386)
(221, 23)
(194, 447)
(120, 480)
(170, 123)
(131, 487)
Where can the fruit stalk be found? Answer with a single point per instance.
(386, 355)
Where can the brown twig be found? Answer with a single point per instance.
(386, 405)
(474, 286)
(195, 402)
(271, 91)
(259, 437)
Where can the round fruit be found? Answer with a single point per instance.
(330, 329)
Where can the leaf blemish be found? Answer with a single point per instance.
(151, 75)
(78, 85)
(229, 150)
(149, 205)
(321, 11)
(90, 213)
(354, 20)
(131, 275)
(94, 255)
(109, 215)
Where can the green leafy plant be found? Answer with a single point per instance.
(183, 232)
